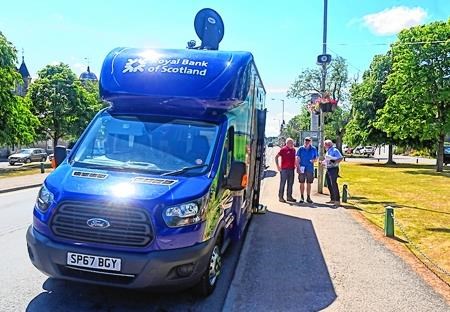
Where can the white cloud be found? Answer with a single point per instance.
(393, 20)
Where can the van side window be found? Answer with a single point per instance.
(228, 152)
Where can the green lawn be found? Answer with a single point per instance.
(421, 198)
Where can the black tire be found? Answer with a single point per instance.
(12, 163)
(43, 159)
(209, 278)
(28, 160)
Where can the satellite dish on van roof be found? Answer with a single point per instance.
(209, 28)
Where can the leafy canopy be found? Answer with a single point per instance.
(63, 104)
(16, 121)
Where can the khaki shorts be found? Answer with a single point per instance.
(307, 176)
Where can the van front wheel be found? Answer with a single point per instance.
(208, 281)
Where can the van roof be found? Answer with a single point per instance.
(161, 80)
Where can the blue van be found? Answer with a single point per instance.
(163, 179)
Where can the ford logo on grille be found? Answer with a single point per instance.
(98, 223)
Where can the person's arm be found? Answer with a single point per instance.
(297, 163)
(338, 155)
(276, 162)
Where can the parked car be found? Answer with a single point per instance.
(347, 149)
(28, 155)
(447, 154)
(364, 150)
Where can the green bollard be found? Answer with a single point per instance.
(42, 168)
(389, 221)
(344, 193)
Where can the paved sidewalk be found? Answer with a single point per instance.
(313, 257)
(11, 184)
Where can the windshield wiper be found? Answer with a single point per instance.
(184, 169)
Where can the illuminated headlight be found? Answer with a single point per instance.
(44, 199)
(185, 214)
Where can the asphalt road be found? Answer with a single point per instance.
(26, 289)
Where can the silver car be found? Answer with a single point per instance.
(28, 155)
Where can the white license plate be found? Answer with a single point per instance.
(94, 262)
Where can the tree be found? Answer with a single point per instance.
(16, 121)
(336, 125)
(418, 88)
(298, 123)
(63, 105)
(309, 82)
(367, 100)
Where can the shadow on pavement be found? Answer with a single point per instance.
(269, 174)
(63, 295)
(313, 205)
(284, 269)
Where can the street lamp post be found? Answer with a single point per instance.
(322, 89)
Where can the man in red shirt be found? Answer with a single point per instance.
(287, 154)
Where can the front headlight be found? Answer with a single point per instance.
(185, 214)
(44, 199)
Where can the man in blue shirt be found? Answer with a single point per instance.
(332, 159)
(305, 158)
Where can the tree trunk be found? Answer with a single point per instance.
(339, 142)
(391, 155)
(55, 142)
(440, 153)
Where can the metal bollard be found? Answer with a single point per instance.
(417, 160)
(389, 221)
(344, 193)
(42, 167)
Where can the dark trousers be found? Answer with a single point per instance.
(333, 187)
(286, 176)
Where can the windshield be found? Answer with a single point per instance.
(150, 144)
(24, 151)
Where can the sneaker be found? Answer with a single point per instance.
(309, 200)
(302, 200)
(330, 202)
(281, 199)
(337, 203)
(291, 199)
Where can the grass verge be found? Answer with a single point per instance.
(23, 170)
(421, 198)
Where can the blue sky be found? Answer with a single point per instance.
(284, 36)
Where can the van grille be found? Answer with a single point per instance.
(128, 226)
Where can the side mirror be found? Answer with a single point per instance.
(60, 154)
(237, 178)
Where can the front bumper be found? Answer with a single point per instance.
(156, 269)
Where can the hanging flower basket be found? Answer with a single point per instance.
(326, 104)
(327, 107)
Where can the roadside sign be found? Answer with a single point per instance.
(313, 134)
